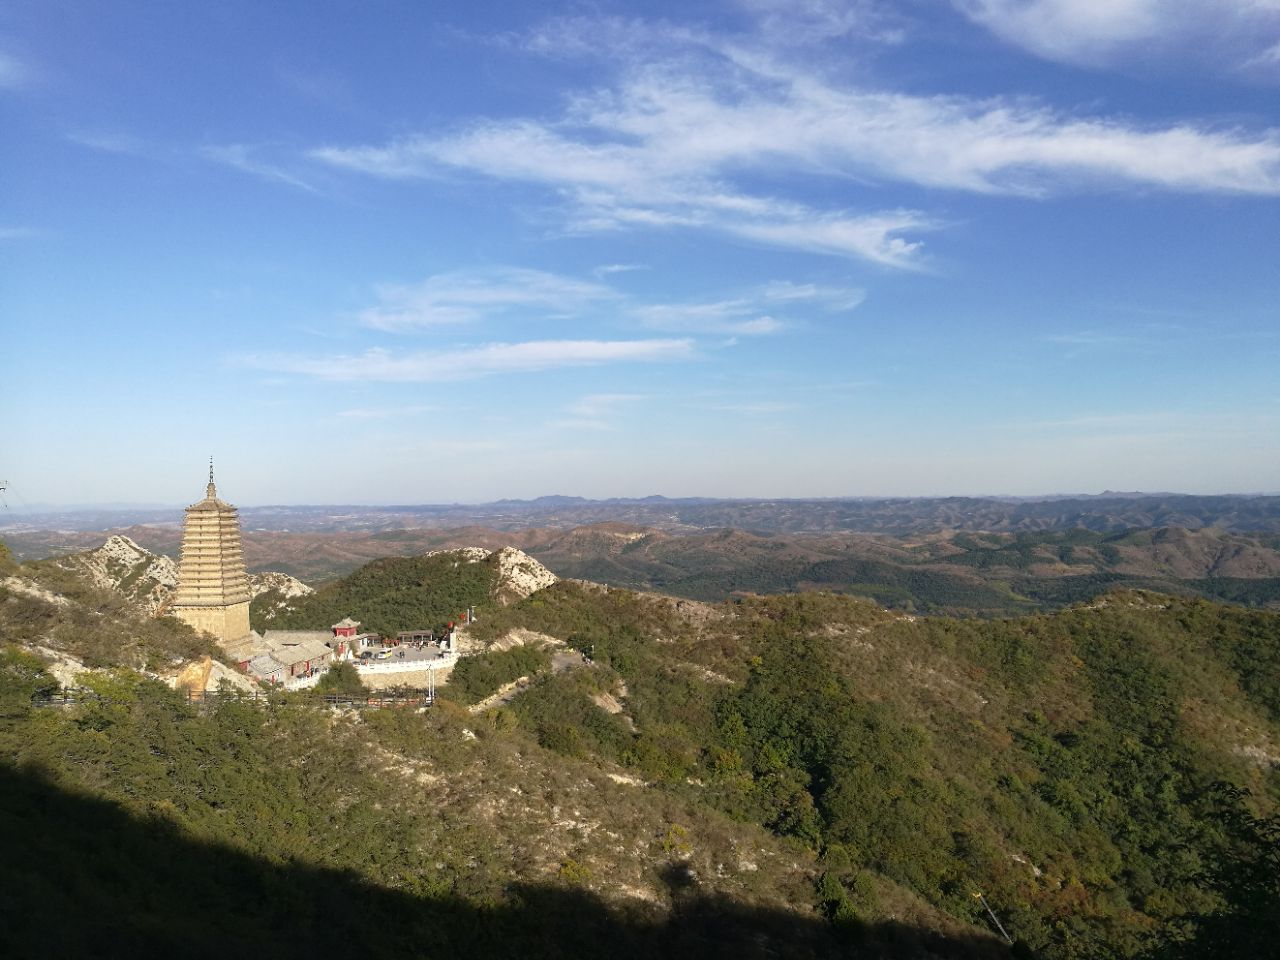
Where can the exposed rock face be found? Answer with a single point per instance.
(520, 575)
(194, 677)
(285, 587)
(207, 674)
(121, 565)
(63, 667)
(150, 580)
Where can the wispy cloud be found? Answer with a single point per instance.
(106, 142)
(609, 269)
(383, 413)
(466, 296)
(832, 299)
(683, 136)
(18, 233)
(244, 158)
(1138, 424)
(1088, 338)
(596, 405)
(751, 314)
(756, 408)
(1234, 34)
(473, 362)
(733, 317)
(595, 411)
(319, 86)
(14, 74)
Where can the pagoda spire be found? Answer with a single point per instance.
(211, 491)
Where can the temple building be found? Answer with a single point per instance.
(213, 588)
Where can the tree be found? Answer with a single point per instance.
(342, 679)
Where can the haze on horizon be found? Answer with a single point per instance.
(740, 248)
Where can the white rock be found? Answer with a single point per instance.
(520, 575)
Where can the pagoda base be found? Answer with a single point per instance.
(226, 623)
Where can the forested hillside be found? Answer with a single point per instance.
(1065, 765)
(397, 593)
(807, 775)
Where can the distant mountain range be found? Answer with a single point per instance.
(990, 573)
(902, 516)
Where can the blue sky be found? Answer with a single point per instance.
(397, 252)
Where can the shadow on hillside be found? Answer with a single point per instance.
(79, 877)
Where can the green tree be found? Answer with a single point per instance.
(342, 679)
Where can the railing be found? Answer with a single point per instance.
(306, 682)
(69, 698)
(401, 666)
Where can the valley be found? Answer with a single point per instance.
(988, 574)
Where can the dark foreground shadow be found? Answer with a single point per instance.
(79, 877)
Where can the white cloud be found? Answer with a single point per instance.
(1234, 33)
(612, 268)
(595, 411)
(17, 233)
(832, 299)
(382, 413)
(597, 405)
(242, 157)
(14, 74)
(578, 425)
(472, 362)
(466, 296)
(750, 314)
(757, 408)
(682, 139)
(1088, 338)
(121, 143)
(736, 317)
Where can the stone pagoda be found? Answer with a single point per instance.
(213, 589)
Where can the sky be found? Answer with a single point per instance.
(396, 252)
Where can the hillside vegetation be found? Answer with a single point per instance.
(48, 605)
(389, 595)
(1063, 764)
(804, 775)
(990, 574)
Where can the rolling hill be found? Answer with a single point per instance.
(802, 775)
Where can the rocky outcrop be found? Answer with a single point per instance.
(207, 674)
(281, 587)
(149, 580)
(519, 575)
(145, 578)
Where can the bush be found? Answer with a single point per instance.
(475, 678)
(341, 679)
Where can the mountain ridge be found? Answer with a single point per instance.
(811, 751)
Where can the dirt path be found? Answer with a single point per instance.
(563, 660)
